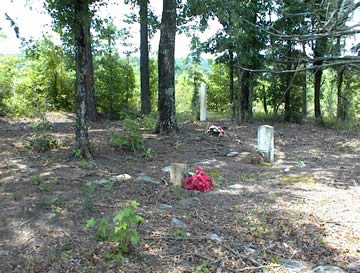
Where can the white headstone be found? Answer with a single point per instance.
(203, 102)
(265, 138)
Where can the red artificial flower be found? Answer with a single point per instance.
(200, 181)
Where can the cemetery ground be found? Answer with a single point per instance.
(300, 213)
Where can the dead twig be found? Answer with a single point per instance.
(257, 267)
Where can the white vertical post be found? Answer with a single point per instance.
(203, 102)
(265, 138)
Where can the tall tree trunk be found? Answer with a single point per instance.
(289, 76)
(144, 58)
(250, 99)
(318, 52)
(82, 76)
(304, 99)
(245, 93)
(90, 96)
(239, 92)
(341, 98)
(166, 104)
(265, 101)
(231, 93)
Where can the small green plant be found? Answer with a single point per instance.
(76, 152)
(41, 125)
(181, 234)
(86, 164)
(202, 268)
(39, 182)
(42, 143)
(149, 122)
(131, 139)
(148, 154)
(217, 176)
(123, 230)
(88, 194)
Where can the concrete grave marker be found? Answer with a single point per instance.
(203, 102)
(265, 139)
(177, 173)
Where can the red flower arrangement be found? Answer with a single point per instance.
(200, 181)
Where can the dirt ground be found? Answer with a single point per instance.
(306, 207)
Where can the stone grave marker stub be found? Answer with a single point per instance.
(177, 173)
(265, 138)
(203, 102)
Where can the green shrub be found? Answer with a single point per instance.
(131, 139)
(123, 231)
(42, 143)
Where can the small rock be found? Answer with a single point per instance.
(190, 201)
(328, 269)
(165, 206)
(148, 179)
(166, 169)
(286, 170)
(100, 182)
(301, 164)
(121, 177)
(354, 267)
(232, 154)
(292, 265)
(236, 186)
(178, 223)
(215, 237)
(4, 253)
(249, 250)
(206, 162)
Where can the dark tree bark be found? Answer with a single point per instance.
(231, 93)
(90, 96)
(304, 106)
(245, 93)
(83, 75)
(341, 97)
(144, 58)
(239, 93)
(318, 52)
(166, 104)
(289, 76)
(250, 99)
(265, 101)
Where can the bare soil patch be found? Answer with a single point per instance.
(305, 207)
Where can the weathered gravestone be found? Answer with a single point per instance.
(177, 173)
(265, 139)
(203, 102)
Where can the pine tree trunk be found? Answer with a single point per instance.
(144, 58)
(265, 101)
(90, 96)
(250, 99)
(82, 76)
(239, 93)
(319, 45)
(231, 93)
(341, 99)
(289, 76)
(245, 93)
(166, 104)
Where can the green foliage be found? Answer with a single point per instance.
(76, 152)
(41, 140)
(87, 164)
(123, 230)
(149, 122)
(88, 195)
(131, 139)
(148, 154)
(218, 88)
(114, 84)
(39, 81)
(202, 268)
(40, 184)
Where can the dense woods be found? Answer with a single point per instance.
(275, 59)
